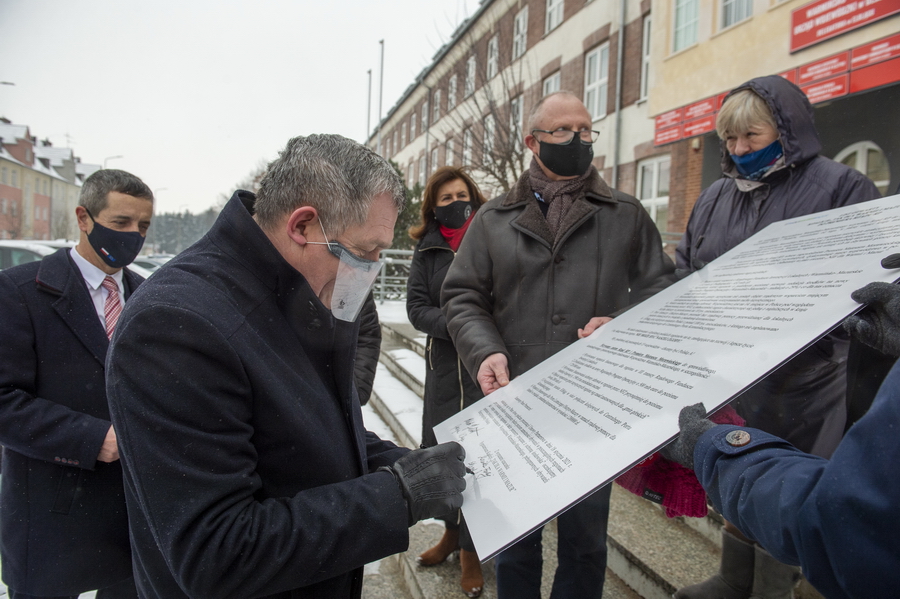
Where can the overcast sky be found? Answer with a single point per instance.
(195, 93)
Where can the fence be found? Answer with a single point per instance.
(391, 283)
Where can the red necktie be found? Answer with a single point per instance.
(113, 306)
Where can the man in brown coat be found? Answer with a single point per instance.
(561, 250)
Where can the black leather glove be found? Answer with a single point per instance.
(878, 324)
(693, 422)
(432, 480)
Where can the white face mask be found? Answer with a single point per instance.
(355, 278)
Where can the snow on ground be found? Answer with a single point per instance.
(392, 311)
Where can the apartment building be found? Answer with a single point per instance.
(39, 186)
(653, 74)
(469, 106)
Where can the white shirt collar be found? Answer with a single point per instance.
(92, 275)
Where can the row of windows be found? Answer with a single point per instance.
(596, 84)
(10, 207)
(687, 19)
(554, 17)
(11, 177)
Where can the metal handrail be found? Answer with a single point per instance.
(391, 283)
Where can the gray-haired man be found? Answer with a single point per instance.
(248, 472)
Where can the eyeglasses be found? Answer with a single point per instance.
(564, 136)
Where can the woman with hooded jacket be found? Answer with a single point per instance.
(772, 171)
(448, 204)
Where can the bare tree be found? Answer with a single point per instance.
(489, 124)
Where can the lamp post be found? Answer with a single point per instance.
(108, 158)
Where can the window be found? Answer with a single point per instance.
(653, 189)
(387, 147)
(645, 58)
(467, 148)
(490, 138)
(411, 174)
(596, 78)
(395, 148)
(15, 208)
(37, 213)
(867, 158)
(687, 15)
(412, 127)
(551, 84)
(3, 179)
(735, 11)
(449, 158)
(434, 159)
(451, 92)
(515, 122)
(3, 206)
(403, 136)
(437, 107)
(493, 57)
(15, 178)
(520, 33)
(422, 173)
(470, 76)
(554, 15)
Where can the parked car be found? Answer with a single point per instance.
(19, 251)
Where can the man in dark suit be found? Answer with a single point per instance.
(248, 471)
(63, 526)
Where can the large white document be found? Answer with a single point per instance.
(579, 419)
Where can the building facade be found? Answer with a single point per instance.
(39, 186)
(653, 74)
(845, 54)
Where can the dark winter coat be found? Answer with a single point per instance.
(63, 526)
(803, 401)
(448, 387)
(836, 518)
(511, 290)
(368, 349)
(248, 472)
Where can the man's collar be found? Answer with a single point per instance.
(92, 275)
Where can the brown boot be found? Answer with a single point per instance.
(472, 580)
(437, 554)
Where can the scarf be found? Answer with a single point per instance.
(559, 195)
(454, 237)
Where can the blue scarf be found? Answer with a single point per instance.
(756, 164)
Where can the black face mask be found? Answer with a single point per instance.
(453, 215)
(116, 248)
(567, 160)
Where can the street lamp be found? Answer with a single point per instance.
(108, 158)
(6, 83)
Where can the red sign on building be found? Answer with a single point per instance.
(822, 69)
(824, 19)
(876, 75)
(669, 118)
(699, 126)
(828, 89)
(877, 51)
(701, 108)
(664, 136)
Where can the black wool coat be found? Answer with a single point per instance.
(248, 472)
(63, 526)
(448, 386)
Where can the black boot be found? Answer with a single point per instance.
(735, 577)
(772, 579)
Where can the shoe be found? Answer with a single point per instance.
(735, 577)
(772, 579)
(440, 552)
(472, 579)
